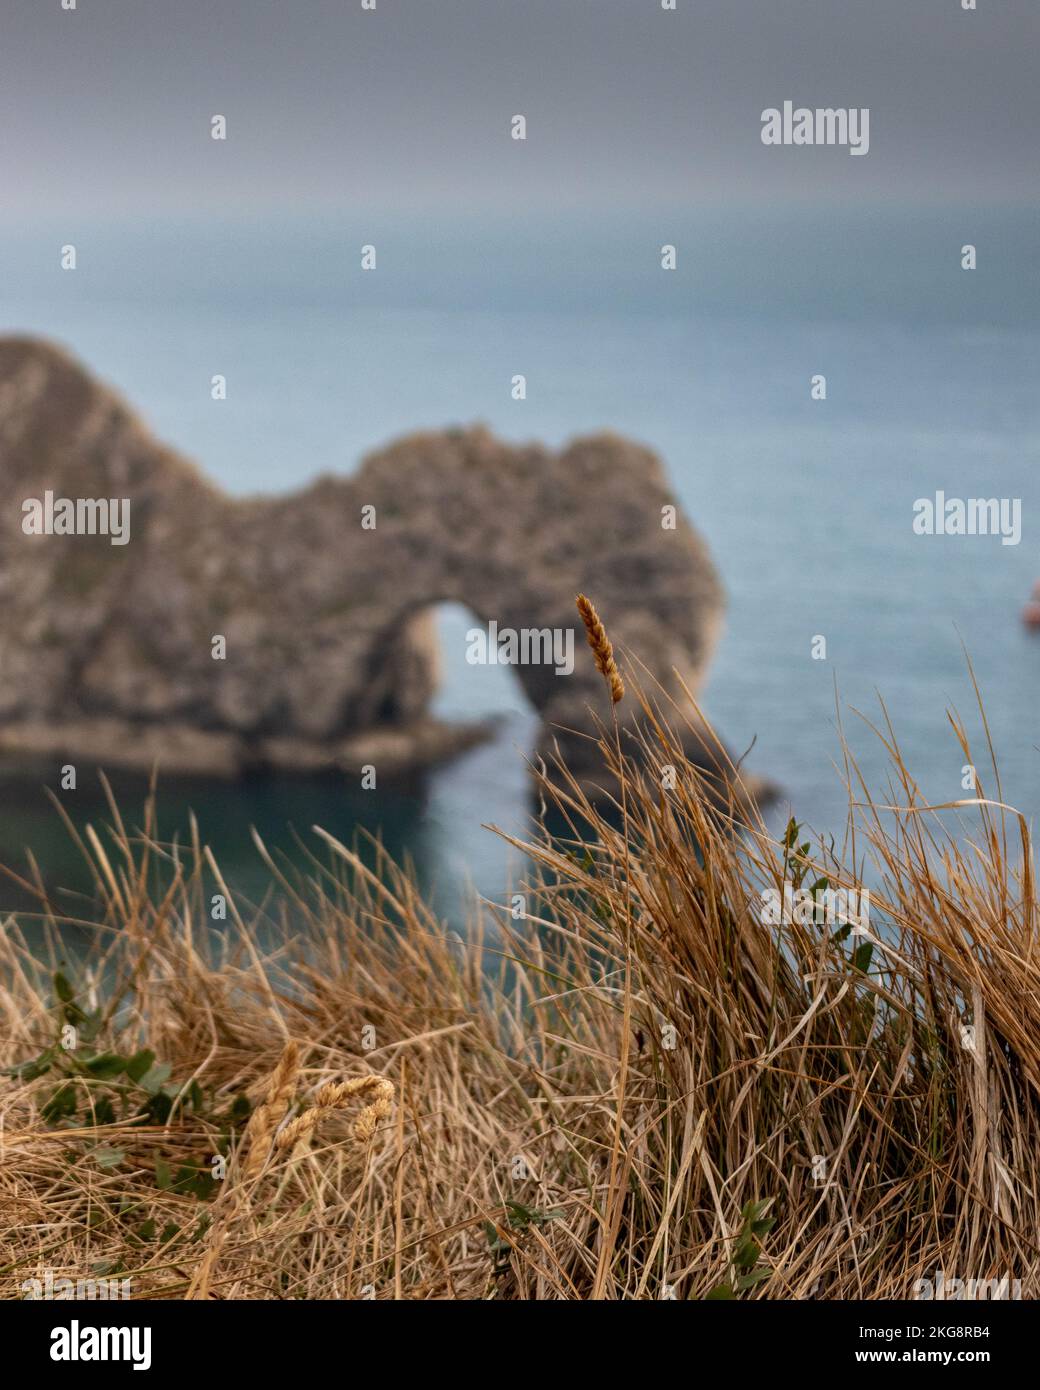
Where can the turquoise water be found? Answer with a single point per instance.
(807, 506)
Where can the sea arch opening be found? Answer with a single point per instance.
(471, 683)
(490, 783)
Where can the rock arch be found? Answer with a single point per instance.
(106, 650)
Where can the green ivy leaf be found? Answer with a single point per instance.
(108, 1158)
(496, 1245)
(754, 1211)
(106, 1066)
(89, 1025)
(104, 1114)
(159, 1108)
(140, 1064)
(862, 956)
(36, 1066)
(205, 1185)
(240, 1109)
(746, 1252)
(154, 1078)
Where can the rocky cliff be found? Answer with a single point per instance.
(322, 597)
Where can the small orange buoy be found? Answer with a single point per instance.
(1031, 613)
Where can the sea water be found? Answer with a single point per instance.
(807, 505)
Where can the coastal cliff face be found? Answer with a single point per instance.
(107, 650)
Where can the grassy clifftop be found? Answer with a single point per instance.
(648, 1085)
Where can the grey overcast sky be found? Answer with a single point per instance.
(107, 108)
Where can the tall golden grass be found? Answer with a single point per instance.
(640, 1090)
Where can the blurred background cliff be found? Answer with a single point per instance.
(241, 257)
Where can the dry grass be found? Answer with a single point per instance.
(626, 1095)
(602, 648)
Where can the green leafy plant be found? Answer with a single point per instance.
(746, 1270)
(101, 1087)
(519, 1220)
(108, 1085)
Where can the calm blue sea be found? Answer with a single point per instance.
(807, 506)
